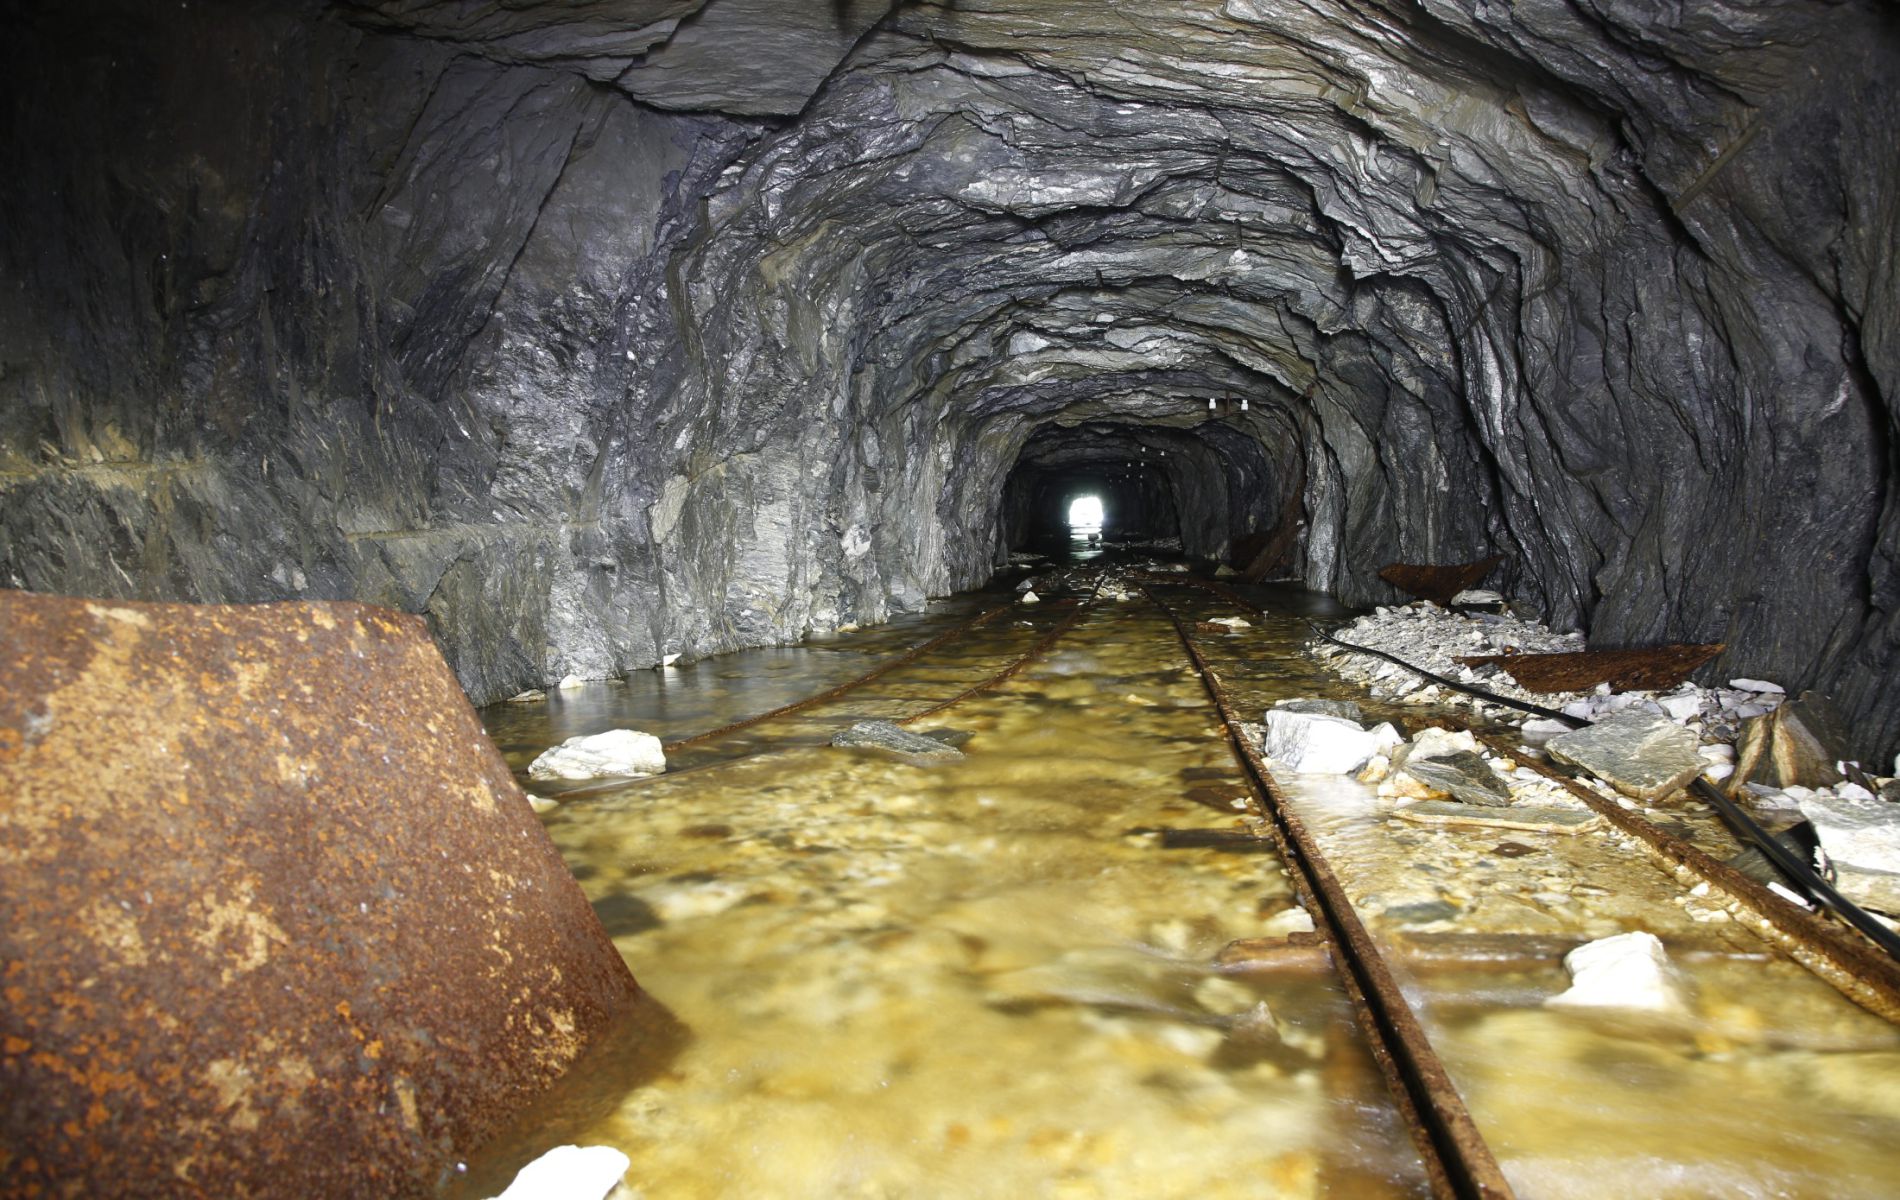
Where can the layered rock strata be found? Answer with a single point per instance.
(602, 331)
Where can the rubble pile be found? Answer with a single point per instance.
(1777, 757)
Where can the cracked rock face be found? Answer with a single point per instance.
(607, 329)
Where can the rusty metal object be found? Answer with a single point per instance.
(1438, 583)
(277, 920)
(1654, 668)
(1457, 1161)
(1854, 968)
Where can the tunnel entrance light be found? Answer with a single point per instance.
(1085, 514)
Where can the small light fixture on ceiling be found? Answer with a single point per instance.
(1210, 404)
(1243, 404)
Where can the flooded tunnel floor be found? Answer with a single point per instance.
(988, 978)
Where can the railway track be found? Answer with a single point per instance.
(1457, 1162)
(1366, 953)
(1833, 950)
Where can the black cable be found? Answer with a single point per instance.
(1790, 864)
(1553, 714)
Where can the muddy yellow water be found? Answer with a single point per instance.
(989, 978)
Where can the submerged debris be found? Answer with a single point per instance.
(1526, 817)
(894, 739)
(1629, 971)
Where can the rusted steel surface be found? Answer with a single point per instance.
(1438, 583)
(1457, 1161)
(276, 919)
(785, 710)
(1853, 967)
(1652, 669)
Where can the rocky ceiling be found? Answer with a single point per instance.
(604, 329)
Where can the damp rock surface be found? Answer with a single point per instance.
(542, 320)
(892, 738)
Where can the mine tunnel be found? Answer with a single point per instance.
(803, 598)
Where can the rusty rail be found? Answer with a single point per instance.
(1457, 1161)
(1028, 656)
(1852, 967)
(785, 710)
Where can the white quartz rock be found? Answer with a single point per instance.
(1860, 835)
(1316, 744)
(593, 756)
(1030, 598)
(1757, 685)
(1477, 596)
(570, 1173)
(1681, 707)
(1629, 970)
(570, 681)
(1433, 742)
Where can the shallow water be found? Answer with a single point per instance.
(973, 980)
(1771, 1084)
(988, 978)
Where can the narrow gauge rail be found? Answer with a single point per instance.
(1852, 966)
(1457, 1161)
(1041, 646)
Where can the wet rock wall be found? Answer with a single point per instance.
(554, 324)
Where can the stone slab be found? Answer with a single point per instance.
(892, 738)
(1640, 754)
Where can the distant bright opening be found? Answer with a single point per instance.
(1085, 514)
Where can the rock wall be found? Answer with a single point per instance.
(603, 330)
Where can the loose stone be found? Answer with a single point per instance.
(617, 752)
(1630, 970)
(890, 738)
(570, 1173)
(1642, 755)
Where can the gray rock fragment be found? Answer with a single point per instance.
(1464, 774)
(894, 739)
(1640, 754)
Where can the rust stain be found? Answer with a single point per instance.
(276, 920)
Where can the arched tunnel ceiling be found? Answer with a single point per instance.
(730, 318)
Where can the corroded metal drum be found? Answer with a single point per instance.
(275, 918)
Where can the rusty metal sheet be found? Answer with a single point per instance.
(276, 920)
(1655, 668)
(1438, 583)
